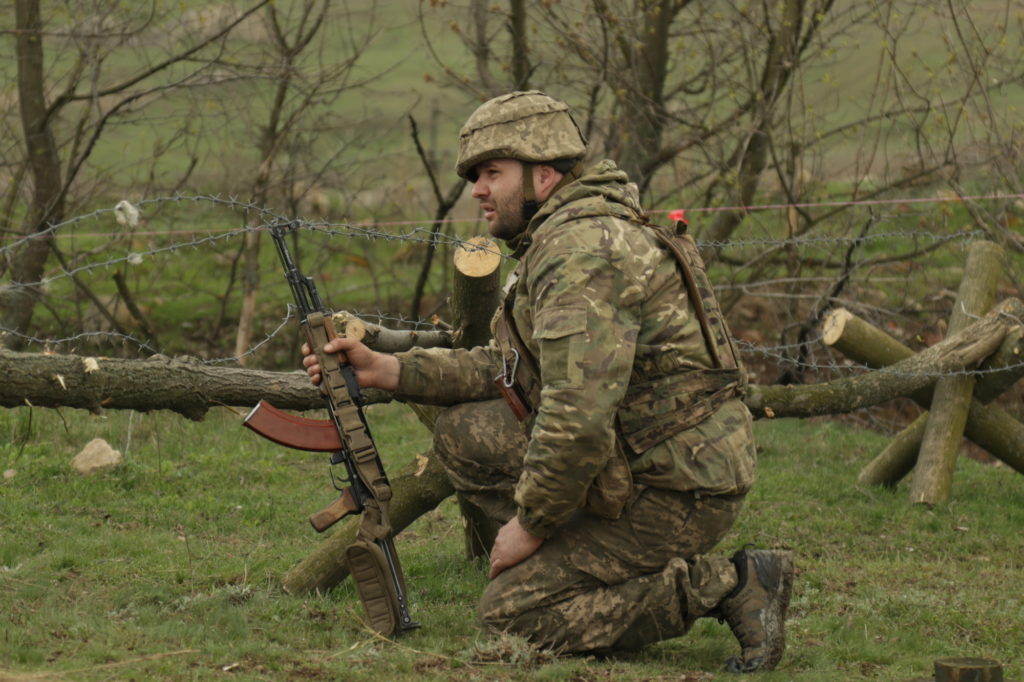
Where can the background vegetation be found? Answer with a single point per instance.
(828, 153)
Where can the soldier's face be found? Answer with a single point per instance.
(499, 189)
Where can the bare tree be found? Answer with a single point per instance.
(56, 150)
(303, 86)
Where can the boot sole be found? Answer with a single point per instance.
(774, 569)
(778, 607)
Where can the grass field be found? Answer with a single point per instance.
(169, 566)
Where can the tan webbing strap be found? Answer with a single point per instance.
(374, 523)
(367, 562)
(699, 288)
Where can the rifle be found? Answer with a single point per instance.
(372, 558)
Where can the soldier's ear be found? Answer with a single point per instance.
(545, 178)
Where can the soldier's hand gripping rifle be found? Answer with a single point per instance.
(372, 557)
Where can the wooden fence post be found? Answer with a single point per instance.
(988, 426)
(933, 475)
(476, 294)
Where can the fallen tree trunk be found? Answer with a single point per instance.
(988, 426)
(964, 349)
(186, 386)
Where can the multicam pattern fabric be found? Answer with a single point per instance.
(602, 307)
(598, 584)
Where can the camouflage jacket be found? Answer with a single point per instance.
(601, 307)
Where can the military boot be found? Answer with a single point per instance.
(756, 609)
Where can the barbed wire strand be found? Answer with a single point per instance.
(781, 353)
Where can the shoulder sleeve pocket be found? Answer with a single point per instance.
(560, 333)
(560, 321)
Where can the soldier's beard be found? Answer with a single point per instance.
(508, 215)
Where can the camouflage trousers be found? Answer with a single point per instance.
(597, 584)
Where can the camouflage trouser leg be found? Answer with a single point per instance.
(601, 584)
(598, 584)
(481, 446)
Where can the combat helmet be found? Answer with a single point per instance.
(527, 126)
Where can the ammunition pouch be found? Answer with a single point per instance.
(654, 411)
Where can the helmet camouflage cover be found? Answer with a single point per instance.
(526, 126)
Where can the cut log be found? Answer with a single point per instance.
(476, 294)
(418, 488)
(898, 458)
(968, 670)
(476, 291)
(387, 340)
(965, 349)
(988, 426)
(940, 444)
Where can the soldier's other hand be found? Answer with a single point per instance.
(512, 545)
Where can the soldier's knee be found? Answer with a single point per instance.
(445, 436)
(544, 628)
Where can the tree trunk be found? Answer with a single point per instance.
(476, 294)
(418, 488)
(642, 103)
(898, 458)
(185, 386)
(520, 50)
(18, 299)
(988, 426)
(961, 350)
(933, 475)
(250, 287)
(476, 291)
(782, 59)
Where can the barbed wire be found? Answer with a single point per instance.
(259, 218)
(420, 235)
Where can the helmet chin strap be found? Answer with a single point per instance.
(530, 203)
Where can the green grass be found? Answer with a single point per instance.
(169, 566)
